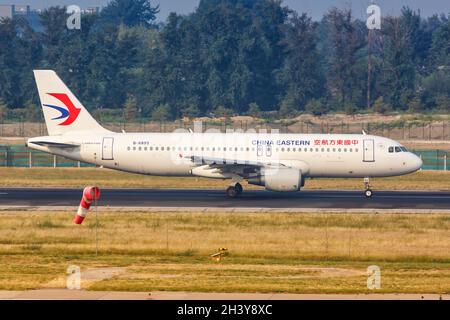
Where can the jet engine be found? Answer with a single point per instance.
(279, 179)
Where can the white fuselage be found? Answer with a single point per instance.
(316, 155)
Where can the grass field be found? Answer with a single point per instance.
(105, 178)
(276, 252)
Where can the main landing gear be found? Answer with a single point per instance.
(234, 191)
(368, 193)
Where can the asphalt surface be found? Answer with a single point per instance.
(218, 198)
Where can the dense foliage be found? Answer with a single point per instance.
(230, 57)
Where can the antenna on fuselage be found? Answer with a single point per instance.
(363, 132)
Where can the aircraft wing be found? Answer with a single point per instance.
(218, 162)
(218, 167)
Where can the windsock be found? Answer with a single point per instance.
(90, 194)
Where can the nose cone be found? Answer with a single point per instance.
(415, 163)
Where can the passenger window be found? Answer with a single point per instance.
(391, 149)
(397, 149)
(128, 148)
(151, 148)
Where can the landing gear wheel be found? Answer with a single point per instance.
(368, 193)
(238, 188)
(232, 192)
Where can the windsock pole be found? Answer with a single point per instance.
(96, 227)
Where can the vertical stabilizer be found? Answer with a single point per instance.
(63, 112)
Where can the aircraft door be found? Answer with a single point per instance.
(368, 150)
(259, 150)
(107, 148)
(268, 150)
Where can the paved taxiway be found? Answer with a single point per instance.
(217, 198)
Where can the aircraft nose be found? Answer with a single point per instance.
(416, 162)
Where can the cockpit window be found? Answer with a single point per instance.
(404, 149)
(391, 149)
(397, 149)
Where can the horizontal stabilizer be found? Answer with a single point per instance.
(56, 144)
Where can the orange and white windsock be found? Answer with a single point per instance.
(90, 194)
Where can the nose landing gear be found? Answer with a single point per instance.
(368, 192)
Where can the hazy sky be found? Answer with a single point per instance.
(315, 8)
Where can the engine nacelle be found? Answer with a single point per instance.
(279, 179)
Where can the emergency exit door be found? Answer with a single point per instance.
(107, 148)
(368, 150)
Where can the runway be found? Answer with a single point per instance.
(218, 199)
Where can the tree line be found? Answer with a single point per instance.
(229, 57)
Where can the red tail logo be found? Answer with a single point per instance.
(70, 113)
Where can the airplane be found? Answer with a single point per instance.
(278, 162)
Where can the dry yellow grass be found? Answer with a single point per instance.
(274, 252)
(79, 177)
